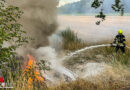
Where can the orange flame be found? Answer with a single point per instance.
(31, 72)
(31, 60)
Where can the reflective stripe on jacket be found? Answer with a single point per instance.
(120, 40)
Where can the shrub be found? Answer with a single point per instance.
(70, 40)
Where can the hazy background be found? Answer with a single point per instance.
(87, 29)
(83, 7)
(80, 17)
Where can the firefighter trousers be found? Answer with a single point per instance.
(122, 48)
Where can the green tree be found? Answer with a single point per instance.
(117, 7)
(11, 33)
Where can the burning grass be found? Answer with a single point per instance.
(31, 73)
(31, 76)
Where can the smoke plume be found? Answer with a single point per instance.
(39, 19)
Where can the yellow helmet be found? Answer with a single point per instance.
(120, 31)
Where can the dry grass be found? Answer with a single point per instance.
(109, 80)
(102, 54)
(128, 42)
(87, 85)
(117, 78)
(22, 84)
(71, 41)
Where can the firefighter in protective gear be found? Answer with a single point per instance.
(120, 41)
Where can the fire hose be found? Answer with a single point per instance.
(114, 45)
(91, 47)
(128, 47)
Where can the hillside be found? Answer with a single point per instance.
(84, 7)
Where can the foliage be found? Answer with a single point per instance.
(117, 7)
(42, 65)
(96, 4)
(12, 34)
(102, 16)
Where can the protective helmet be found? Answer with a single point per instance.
(120, 31)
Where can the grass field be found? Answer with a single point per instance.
(115, 78)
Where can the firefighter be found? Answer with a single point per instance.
(120, 42)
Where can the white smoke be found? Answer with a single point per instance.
(49, 54)
(56, 42)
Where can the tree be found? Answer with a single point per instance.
(11, 33)
(117, 7)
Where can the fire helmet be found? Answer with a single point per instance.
(120, 31)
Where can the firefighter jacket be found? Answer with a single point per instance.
(120, 40)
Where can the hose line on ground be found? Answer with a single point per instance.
(128, 47)
(91, 47)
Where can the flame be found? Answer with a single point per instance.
(31, 72)
(31, 60)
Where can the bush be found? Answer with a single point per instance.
(12, 34)
(70, 40)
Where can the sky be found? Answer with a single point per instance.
(63, 2)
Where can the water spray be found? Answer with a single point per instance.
(89, 47)
(50, 55)
(84, 49)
